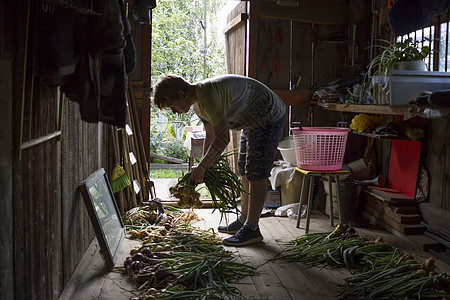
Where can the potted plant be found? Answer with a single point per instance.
(395, 56)
(406, 55)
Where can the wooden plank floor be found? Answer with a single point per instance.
(277, 280)
(283, 280)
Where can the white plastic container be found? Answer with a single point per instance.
(405, 85)
(287, 150)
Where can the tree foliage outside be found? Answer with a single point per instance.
(178, 40)
(178, 48)
(176, 149)
(178, 43)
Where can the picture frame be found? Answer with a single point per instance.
(104, 214)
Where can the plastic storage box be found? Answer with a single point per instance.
(405, 85)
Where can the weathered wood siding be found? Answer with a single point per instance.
(6, 183)
(236, 57)
(37, 223)
(436, 159)
(83, 152)
(52, 229)
(44, 225)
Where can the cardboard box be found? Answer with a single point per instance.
(290, 191)
(196, 147)
(194, 143)
(193, 128)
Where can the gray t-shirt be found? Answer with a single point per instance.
(246, 102)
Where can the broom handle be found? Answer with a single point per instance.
(128, 166)
(116, 158)
(140, 146)
(132, 140)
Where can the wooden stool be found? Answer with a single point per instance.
(309, 176)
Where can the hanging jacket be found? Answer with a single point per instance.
(57, 54)
(129, 51)
(99, 83)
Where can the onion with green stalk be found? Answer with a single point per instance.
(222, 182)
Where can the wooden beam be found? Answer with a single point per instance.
(386, 222)
(238, 20)
(166, 158)
(386, 210)
(294, 97)
(318, 12)
(254, 12)
(40, 140)
(397, 110)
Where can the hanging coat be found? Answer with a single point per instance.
(99, 83)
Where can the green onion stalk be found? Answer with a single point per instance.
(222, 182)
(379, 270)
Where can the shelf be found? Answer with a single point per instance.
(73, 5)
(428, 112)
(397, 110)
(380, 136)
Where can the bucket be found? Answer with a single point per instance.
(287, 150)
(349, 192)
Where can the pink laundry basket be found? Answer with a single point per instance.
(320, 148)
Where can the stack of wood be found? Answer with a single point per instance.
(393, 210)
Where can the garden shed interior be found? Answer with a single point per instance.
(76, 95)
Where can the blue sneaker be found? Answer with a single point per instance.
(232, 228)
(245, 236)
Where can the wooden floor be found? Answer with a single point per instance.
(278, 280)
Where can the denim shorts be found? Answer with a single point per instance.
(257, 150)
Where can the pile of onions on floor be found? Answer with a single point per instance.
(380, 271)
(179, 260)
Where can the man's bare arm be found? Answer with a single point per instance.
(220, 140)
(209, 138)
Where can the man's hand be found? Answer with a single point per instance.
(198, 173)
(217, 138)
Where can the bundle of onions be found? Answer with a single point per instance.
(222, 182)
(186, 192)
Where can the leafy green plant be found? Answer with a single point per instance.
(156, 142)
(171, 131)
(393, 53)
(176, 149)
(166, 173)
(177, 40)
(178, 32)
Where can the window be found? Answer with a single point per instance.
(437, 37)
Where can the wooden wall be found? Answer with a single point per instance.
(52, 229)
(236, 40)
(36, 208)
(84, 150)
(316, 37)
(236, 56)
(437, 159)
(44, 225)
(6, 182)
(8, 17)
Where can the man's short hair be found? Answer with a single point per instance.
(167, 89)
